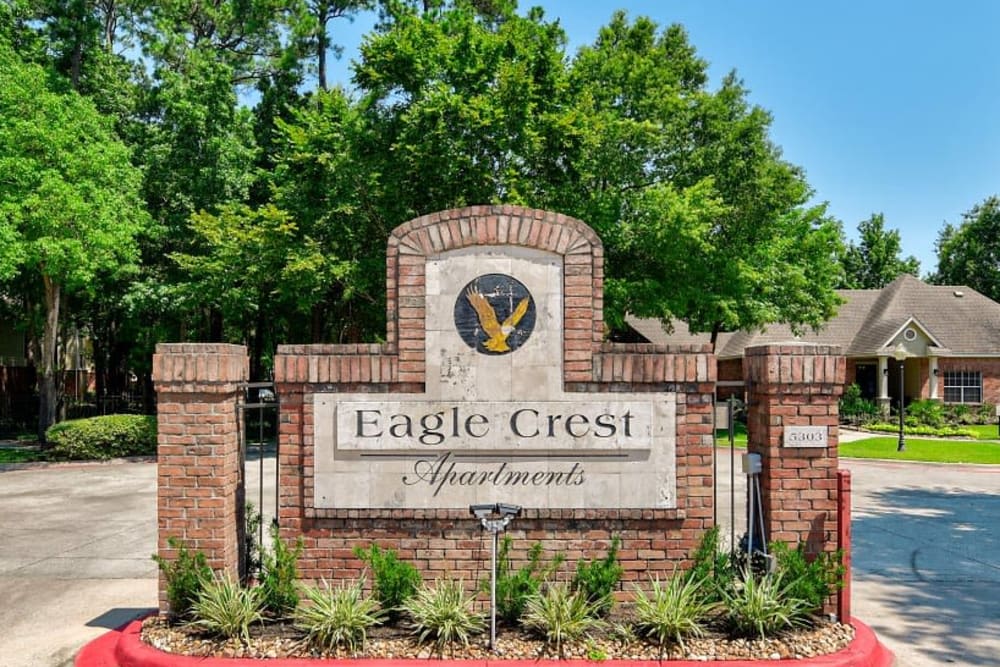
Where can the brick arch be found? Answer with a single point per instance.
(583, 275)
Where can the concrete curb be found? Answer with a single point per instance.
(125, 648)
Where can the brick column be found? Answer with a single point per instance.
(198, 388)
(796, 385)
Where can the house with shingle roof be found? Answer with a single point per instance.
(944, 339)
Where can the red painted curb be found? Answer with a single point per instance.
(124, 648)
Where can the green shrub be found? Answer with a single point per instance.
(986, 414)
(226, 609)
(279, 574)
(598, 579)
(674, 611)
(444, 614)
(926, 412)
(514, 588)
(762, 606)
(108, 437)
(812, 582)
(337, 616)
(185, 577)
(855, 408)
(712, 566)
(395, 582)
(251, 530)
(943, 432)
(560, 615)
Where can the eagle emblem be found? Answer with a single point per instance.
(483, 302)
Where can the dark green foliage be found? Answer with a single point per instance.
(279, 573)
(186, 576)
(855, 408)
(925, 412)
(107, 437)
(514, 588)
(598, 579)
(251, 529)
(395, 581)
(712, 568)
(811, 582)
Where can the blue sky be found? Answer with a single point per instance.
(890, 106)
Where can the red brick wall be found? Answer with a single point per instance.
(990, 368)
(796, 385)
(198, 450)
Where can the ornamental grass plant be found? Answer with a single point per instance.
(444, 615)
(227, 609)
(337, 617)
(558, 615)
(674, 610)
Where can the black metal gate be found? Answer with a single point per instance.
(256, 504)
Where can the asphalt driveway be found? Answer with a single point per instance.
(75, 545)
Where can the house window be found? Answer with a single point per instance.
(963, 387)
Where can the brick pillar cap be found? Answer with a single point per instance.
(794, 347)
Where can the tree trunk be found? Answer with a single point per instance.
(47, 381)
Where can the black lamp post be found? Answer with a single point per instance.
(900, 354)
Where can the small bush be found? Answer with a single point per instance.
(108, 437)
(855, 408)
(926, 413)
(395, 582)
(278, 576)
(251, 529)
(762, 606)
(812, 582)
(560, 615)
(337, 616)
(712, 566)
(443, 614)
(674, 611)
(515, 588)
(943, 432)
(226, 609)
(598, 579)
(185, 576)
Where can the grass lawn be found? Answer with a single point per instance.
(984, 431)
(20, 455)
(917, 449)
(722, 437)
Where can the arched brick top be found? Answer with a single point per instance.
(583, 275)
(494, 225)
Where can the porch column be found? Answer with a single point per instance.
(933, 371)
(883, 385)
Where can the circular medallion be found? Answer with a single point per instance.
(494, 313)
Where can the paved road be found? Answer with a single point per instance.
(926, 556)
(75, 544)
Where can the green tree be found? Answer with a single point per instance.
(662, 158)
(875, 261)
(69, 200)
(969, 254)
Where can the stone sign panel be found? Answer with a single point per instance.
(494, 422)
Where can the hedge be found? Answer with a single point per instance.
(107, 437)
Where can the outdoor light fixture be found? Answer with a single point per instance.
(494, 518)
(900, 354)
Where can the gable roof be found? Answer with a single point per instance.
(956, 318)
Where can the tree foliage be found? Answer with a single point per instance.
(267, 193)
(969, 253)
(875, 260)
(69, 198)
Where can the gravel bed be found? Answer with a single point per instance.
(282, 641)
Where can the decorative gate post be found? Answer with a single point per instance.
(198, 420)
(792, 422)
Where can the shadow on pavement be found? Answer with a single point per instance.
(932, 559)
(119, 616)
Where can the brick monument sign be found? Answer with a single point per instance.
(494, 385)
